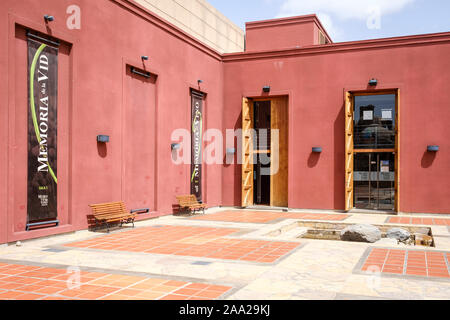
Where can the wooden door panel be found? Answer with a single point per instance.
(247, 152)
(349, 156)
(279, 153)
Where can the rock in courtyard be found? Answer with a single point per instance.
(361, 233)
(398, 233)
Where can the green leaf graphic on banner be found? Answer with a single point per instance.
(199, 115)
(32, 104)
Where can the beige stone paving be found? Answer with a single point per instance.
(319, 269)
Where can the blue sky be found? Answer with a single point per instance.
(349, 20)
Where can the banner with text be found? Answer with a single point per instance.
(196, 142)
(42, 131)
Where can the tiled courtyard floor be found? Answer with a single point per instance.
(228, 254)
(408, 262)
(421, 221)
(192, 242)
(268, 216)
(26, 282)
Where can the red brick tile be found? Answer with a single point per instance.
(441, 274)
(209, 294)
(29, 296)
(218, 288)
(10, 295)
(198, 286)
(186, 292)
(417, 272)
(174, 297)
(49, 290)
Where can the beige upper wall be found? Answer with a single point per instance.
(201, 20)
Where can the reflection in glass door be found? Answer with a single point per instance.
(374, 180)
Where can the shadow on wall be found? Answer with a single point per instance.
(237, 168)
(313, 159)
(339, 160)
(102, 149)
(428, 159)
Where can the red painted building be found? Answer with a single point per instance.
(373, 138)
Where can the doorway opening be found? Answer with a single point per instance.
(374, 181)
(372, 150)
(265, 152)
(261, 161)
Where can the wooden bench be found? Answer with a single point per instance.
(190, 202)
(112, 212)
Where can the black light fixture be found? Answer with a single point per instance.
(102, 138)
(199, 81)
(140, 211)
(317, 149)
(144, 57)
(266, 89)
(49, 18)
(373, 82)
(175, 146)
(141, 73)
(433, 148)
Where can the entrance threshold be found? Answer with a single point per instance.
(267, 208)
(373, 211)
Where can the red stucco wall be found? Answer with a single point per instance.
(95, 95)
(92, 89)
(315, 80)
(283, 33)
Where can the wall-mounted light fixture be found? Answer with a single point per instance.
(175, 146)
(231, 150)
(433, 148)
(373, 82)
(140, 211)
(317, 149)
(49, 18)
(102, 138)
(141, 73)
(266, 89)
(199, 81)
(144, 57)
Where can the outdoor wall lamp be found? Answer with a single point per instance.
(144, 57)
(199, 81)
(231, 150)
(102, 138)
(175, 146)
(266, 89)
(317, 149)
(433, 148)
(373, 82)
(49, 18)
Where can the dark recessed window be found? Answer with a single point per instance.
(374, 122)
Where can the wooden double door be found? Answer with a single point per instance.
(265, 152)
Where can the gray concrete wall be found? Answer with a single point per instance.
(201, 20)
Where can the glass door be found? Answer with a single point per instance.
(374, 180)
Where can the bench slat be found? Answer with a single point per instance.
(112, 212)
(190, 201)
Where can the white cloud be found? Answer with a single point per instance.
(343, 9)
(327, 10)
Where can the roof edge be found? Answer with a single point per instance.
(422, 39)
(288, 21)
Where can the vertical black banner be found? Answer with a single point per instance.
(196, 143)
(42, 131)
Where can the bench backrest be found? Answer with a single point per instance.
(187, 200)
(108, 208)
